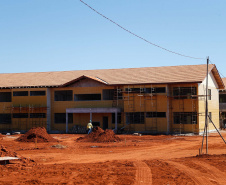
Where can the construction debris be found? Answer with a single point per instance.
(4, 152)
(38, 133)
(100, 136)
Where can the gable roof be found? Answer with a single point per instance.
(224, 81)
(125, 76)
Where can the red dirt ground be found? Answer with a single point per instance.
(135, 160)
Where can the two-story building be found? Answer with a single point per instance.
(222, 96)
(151, 99)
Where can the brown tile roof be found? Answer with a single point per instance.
(224, 81)
(145, 75)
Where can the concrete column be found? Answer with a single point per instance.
(48, 113)
(90, 116)
(168, 109)
(116, 121)
(66, 122)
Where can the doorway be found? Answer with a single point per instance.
(105, 122)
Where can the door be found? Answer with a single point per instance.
(105, 122)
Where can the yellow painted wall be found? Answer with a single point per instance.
(24, 104)
(213, 104)
(131, 102)
(183, 105)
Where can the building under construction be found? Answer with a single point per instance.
(151, 99)
(222, 97)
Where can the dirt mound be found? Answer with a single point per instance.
(4, 152)
(100, 136)
(37, 132)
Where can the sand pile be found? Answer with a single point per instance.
(37, 132)
(100, 136)
(4, 152)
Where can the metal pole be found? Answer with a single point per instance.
(216, 129)
(206, 115)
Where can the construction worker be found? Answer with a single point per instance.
(89, 127)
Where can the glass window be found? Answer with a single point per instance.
(222, 98)
(87, 97)
(96, 124)
(37, 115)
(209, 94)
(61, 118)
(184, 92)
(108, 94)
(118, 118)
(37, 93)
(210, 117)
(134, 118)
(5, 96)
(5, 119)
(20, 115)
(20, 93)
(185, 117)
(155, 114)
(65, 95)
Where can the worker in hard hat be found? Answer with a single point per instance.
(89, 127)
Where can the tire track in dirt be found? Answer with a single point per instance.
(143, 173)
(197, 176)
(214, 172)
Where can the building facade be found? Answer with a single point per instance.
(150, 100)
(222, 97)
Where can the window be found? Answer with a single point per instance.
(5, 119)
(61, 118)
(87, 97)
(20, 93)
(185, 117)
(134, 118)
(209, 94)
(37, 115)
(5, 97)
(222, 98)
(134, 90)
(118, 118)
(146, 90)
(210, 117)
(65, 95)
(37, 93)
(155, 115)
(184, 92)
(108, 94)
(96, 124)
(20, 115)
(156, 90)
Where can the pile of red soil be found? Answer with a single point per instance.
(37, 132)
(100, 136)
(4, 152)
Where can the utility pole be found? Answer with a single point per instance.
(206, 112)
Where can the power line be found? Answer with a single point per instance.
(138, 35)
(218, 70)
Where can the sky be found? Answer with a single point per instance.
(62, 35)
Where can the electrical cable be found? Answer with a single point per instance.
(138, 35)
(217, 69)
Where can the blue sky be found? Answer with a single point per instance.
(61, 35)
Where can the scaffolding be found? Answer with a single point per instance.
(27, 116)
